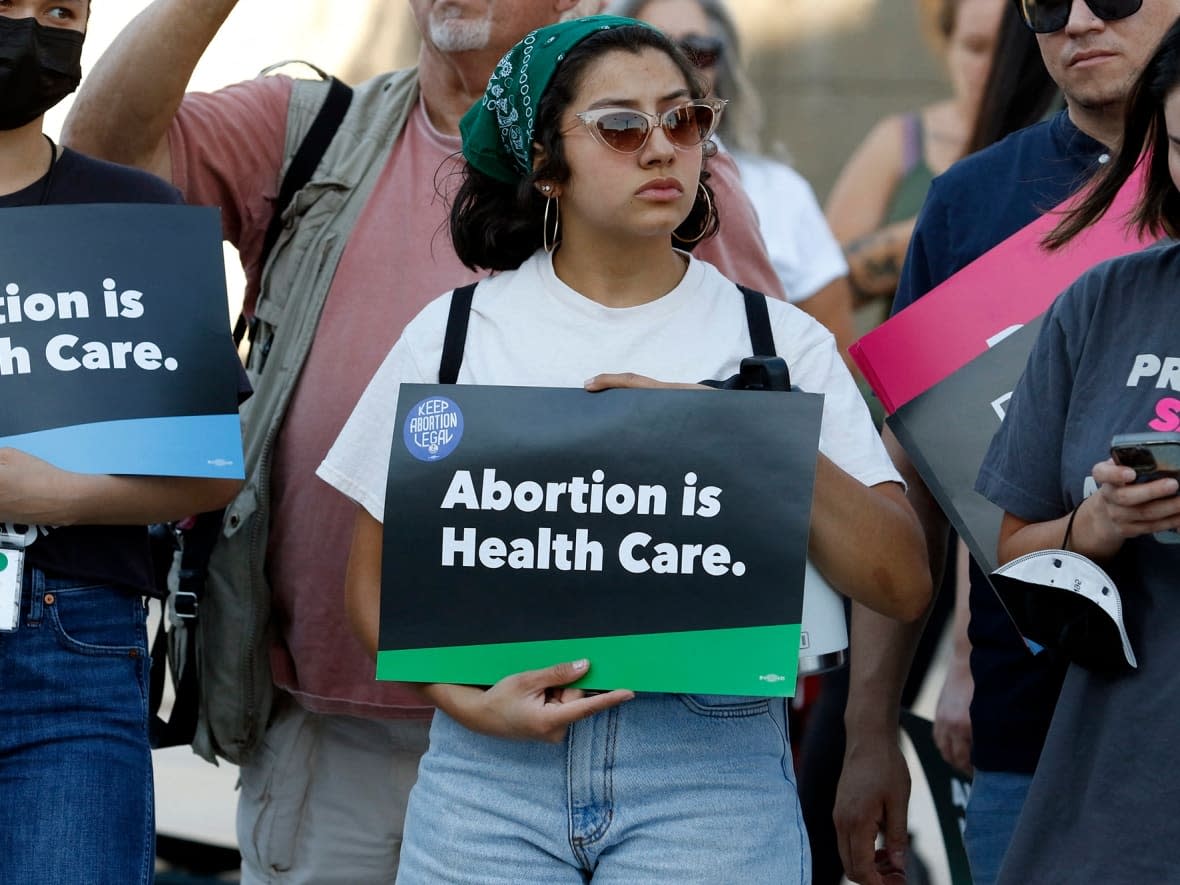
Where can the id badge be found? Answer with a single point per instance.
(12, 568)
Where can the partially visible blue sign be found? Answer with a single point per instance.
(116, 355)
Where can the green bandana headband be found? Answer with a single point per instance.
(498, 130)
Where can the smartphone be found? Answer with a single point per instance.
(1151, 456)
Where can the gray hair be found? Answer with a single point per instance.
(741, 124)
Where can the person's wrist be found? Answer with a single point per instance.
(871, 718)
(1093, 534)
(871, 745)
(446, 697)
(860, 294)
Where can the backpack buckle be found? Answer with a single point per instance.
(182, 606)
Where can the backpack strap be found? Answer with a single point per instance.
(758, 319)
(765, 370)
(176, 647)
(299, 173)
(455, 339)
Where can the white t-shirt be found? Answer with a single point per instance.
(802, 249)
(529, 329)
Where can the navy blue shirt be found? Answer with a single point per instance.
(979, 202)
(117, 555)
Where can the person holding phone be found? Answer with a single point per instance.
(586, 178)
(1154, 455)
(1102, 802)
(1094, 52)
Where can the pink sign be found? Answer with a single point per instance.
(998, 292)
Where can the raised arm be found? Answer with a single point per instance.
(127, 102)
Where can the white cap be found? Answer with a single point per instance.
(1062, 600)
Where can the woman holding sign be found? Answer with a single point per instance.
(1102, 803)
(76, 794)
(586, 173)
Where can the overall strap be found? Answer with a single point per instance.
(758, 319)
(455, 340)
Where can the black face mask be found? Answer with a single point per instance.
(39, 66)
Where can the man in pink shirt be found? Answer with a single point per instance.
(323, 796)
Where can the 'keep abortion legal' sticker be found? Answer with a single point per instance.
(433, 428)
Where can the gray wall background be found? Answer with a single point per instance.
(823, 91)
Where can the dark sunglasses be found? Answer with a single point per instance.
(1047, 16)
(626, 131)
(703, 52)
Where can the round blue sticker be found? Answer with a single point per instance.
(433, 428)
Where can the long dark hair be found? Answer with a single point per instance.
(1145, 137)
(497, 226)
(1019, 90)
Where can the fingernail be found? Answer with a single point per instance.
(581, 665)
(897, 858)
(588, 382)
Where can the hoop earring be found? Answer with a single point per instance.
(550, 243)
(706, 224)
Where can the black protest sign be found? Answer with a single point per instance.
(950, 790)
(947, 431)
(115, 353)
(660, 533)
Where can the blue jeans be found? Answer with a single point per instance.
(76, 804)
(992, 812)
(663, 789)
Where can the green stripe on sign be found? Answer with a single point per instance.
(756, 661)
